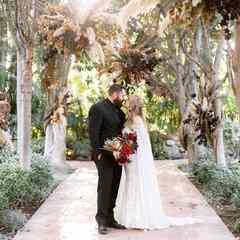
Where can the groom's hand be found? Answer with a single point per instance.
(99, 156)
(116, 155)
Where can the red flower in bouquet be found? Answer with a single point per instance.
(126, 150)
(122, 147)
(122, 160)
(132, 136)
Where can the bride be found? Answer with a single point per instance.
(139, 203)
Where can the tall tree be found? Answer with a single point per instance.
(65, 31)
(234, 64)
(22, 19)
(218, 106)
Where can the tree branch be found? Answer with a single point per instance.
(193, 60)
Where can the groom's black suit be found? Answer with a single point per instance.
(105, 122)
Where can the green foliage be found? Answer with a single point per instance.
(4, 77)
(14, 184)
(4, 201)
(38, 145)
(224, 184)
(237, 227)
(7, 156)
(230, 107)
(87, 90)
(8, 85)
(157, 146)
(228, 132)
(77, 120)
(77, 135)
(86, 85)
(39, 103)
(232, 138)
(203, 170)
(236, 198)
(19, 187)
(40, 177)
(220, 184)
(13, 125)
(162, 113)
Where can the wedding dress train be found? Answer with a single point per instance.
(139, 202)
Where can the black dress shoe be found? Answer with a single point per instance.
(102, 229)
(116, 225)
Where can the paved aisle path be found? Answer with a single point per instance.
(69, 212)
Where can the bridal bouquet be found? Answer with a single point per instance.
(123, 146)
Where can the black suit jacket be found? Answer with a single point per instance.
(106, 121)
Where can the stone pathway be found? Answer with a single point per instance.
(68, 214)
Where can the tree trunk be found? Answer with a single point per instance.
(218, 143)
(213, 75)
(24, 101)
(55, 141)
(187, 137)
(3, 42)
(20, 61)
(236, 65)
(22, 21)
(186, 90)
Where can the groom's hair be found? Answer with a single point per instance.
(115, 88)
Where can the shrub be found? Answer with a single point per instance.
(38, 146)
(219, 184)
(203, 170)
(78, 149)
(237, 227)
(14, 183)
(41, 177)
(4, 201)
(19, 187)
(223, 184)
(236, 198)
(7, 155)
(232, 139)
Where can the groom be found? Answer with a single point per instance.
(106, 120)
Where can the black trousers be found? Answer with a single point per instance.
(109, 176)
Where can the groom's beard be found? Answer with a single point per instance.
(118, 103)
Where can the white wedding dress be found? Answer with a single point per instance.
(139, 203)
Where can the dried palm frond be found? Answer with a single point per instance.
(59, 31)
(63, 35)
(201, 114)
(133, 63)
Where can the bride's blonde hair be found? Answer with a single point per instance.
(135, 109)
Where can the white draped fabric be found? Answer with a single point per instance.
(139, 202)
